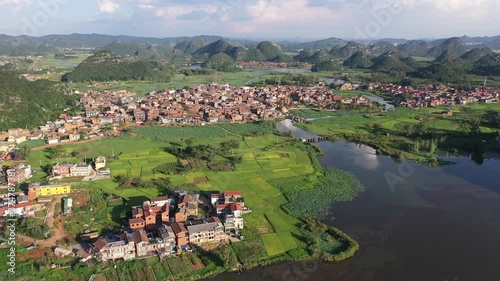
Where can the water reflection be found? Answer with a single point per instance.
(436, 224)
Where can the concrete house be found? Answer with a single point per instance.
(210, 231)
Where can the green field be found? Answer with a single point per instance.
(273, 244)
(264, 158)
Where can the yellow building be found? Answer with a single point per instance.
(36, 191)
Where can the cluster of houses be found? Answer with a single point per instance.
(18, 204)
(213, 103)
(275, 64)
(165, 226)
(431, 96)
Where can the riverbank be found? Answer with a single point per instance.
(415, 134)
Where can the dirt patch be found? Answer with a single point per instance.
(201, 180)
(35, 253)
(284, 155)
(80, 198)
(184, 162)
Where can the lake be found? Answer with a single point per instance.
(413, 223)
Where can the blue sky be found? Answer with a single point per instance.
(254, 18)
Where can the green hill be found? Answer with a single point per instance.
(476, 54)
(381, 47)
(269, 50)
(344, 52)
(393, 61)
(455, 44)
(319, 56)
(359, 59)
(220, 62)
(107, 66)
(189, 47)
(122, 48)
(488, 65)
(446, 56)
(415, 48)
(24, 103)
(221, 46)
(447, 72)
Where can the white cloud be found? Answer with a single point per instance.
(15, 2)
(265, 14)
(108, 6)
(461, 5)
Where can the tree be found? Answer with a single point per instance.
(54, 152)
(492, 117)
(75, 153)
(163, 185)
(23, 152)
(189, 142)
(230, 145)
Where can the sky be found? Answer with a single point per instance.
(279, 19)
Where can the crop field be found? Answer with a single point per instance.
(136, 157)
(272, 243)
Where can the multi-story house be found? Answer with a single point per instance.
(36, 190)
(210, 231)
(108, 249)
(18, 174)
(62, 169)
(81, 170)
(100, 162)
(137, 223)
(190, 202)
(229, 206)
(181, 235)
(162, 244)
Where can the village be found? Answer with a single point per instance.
(160, 226)
(103, 113)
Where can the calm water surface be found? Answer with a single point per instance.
(413, 223)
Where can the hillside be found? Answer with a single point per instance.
(381, 47)
(446, 56)
(317, 57)
(359, 60)
(415, 48)
(454, 45)
(313, 45)
(476, 54)
(488, 65)
(220, 62)
(348, 50)
(122, 48)
(391, 61)
(448, 72)
(107, 66)
(30, 104)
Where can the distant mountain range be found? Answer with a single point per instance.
(26, 45)
(144, 58)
